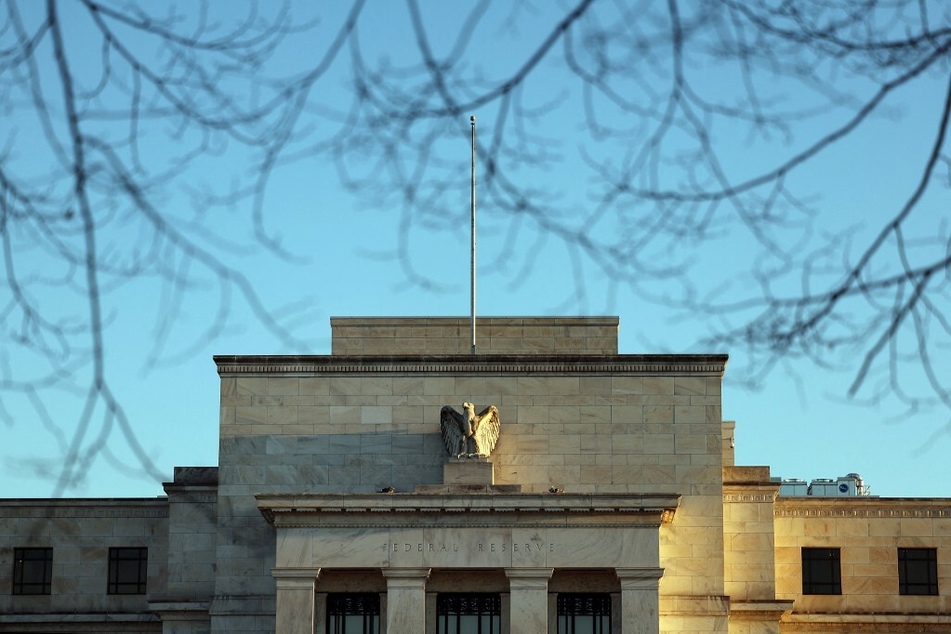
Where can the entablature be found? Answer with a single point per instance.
(523, 510)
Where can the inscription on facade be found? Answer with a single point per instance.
(480, 547)
(83, 512)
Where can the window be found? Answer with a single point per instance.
(32, 570)
(584, 614)
(820, 571)
(128, 570)
(477, 613)
(353, 613)
(918, 571)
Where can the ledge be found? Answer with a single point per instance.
(767, 610)
(88, 617)
(689, 605)
(178, 609)
(903, 619)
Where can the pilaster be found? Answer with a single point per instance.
(639, 599)
(295, 600)
(528, 592)
(406, 599)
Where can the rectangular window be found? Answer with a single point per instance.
(32, 570)
(353, 613)
(821, 571)
(128, 570)
(584, 613)
(474, 613)
(918, 571)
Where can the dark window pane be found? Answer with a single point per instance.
(32, 570)
(353, 613)
(918, 571)
(584, 613)
(821, 571)
(128, 570)
(462, 613)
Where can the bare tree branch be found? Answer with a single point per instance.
(681, 155)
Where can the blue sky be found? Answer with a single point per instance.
(342, 244)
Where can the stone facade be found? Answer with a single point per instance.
(613, 476)
(81, 532)
(584, 422)
(453, 335)
(765, 536)
(869, 532)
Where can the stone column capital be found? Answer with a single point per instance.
(639, 578)
(529, 575)
(295, 578)
(407, 577)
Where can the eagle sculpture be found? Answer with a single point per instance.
(467, 435)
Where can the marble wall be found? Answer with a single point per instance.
(80, 532)
(494, 335)
(578, 421)
(868, 531)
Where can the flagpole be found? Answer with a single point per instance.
(472, 268)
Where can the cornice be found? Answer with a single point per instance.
(88, 622)
(872, 507)
(711, 364)
(380, 510)
(744, 496)
(47, 508)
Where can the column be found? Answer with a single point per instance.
(528, 596)
(639, 599)
(295, 600)
(406, 599)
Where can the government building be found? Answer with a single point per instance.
(583, 492)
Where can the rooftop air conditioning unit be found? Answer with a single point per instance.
(793, 487)
(823, 487)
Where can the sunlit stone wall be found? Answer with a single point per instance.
(575, 416)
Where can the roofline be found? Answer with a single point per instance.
(710, 364)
